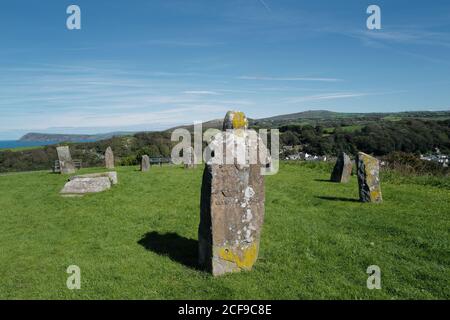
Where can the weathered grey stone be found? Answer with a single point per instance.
(145, 163)
(112, 175)
(235, 120)
(342, 169)
(81, 186)
(189, 159)
(368, 170)
(65, 160)
(109, 158)
(231, 213)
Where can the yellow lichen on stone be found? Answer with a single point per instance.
(239, 120)
(235, 120)
(368, 178)
(375, 196)
(244, 259)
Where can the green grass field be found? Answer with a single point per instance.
(139, 240)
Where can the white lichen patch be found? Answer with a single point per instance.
(248, 193)
(248, 216)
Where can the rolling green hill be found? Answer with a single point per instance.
(315, 117)
(305, 117)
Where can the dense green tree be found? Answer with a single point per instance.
(369, 134)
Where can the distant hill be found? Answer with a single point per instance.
(316, 114)
(312, 117)
(311, 114)
(329, 115)
(212, 124)
(43, 137)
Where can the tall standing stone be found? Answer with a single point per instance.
(109, 158)
(65, 160)
(368, 170)
(342, 169)
(232, 209)
(145, 163)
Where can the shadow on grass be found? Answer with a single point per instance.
(176, 247)
(338, 199)
(324, 180)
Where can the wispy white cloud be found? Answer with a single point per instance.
(339, 95)
(326, 96)
(202, 92)
(404, 40)
(404, 35)
(88, 122)
(36, 98)
(266, 78)
(265, 5)
(181, 43)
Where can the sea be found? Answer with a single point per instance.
(7, 144)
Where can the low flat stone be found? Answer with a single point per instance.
(112, 175)
(81, 186)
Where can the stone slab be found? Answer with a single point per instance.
(81, 186)
(112, 175)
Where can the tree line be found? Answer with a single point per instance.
(380, 138)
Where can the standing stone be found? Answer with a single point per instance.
(231, 210)
(65, 160)
(189, 159)
(109, 158)
(343, 169)
(368, 178)
(145, 163)
(235, 120)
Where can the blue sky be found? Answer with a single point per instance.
(149, 65)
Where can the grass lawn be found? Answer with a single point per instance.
(139, 240)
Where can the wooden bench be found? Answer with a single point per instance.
(160, 161)
(57, 168)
